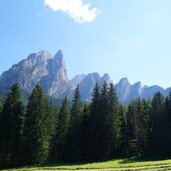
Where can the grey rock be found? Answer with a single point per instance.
(50, 72)
(123, 89)
(39, 68)
(77, 79)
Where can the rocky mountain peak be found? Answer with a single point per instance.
(59, 55)
(124, 81)
(40, 56)
(106, 78)
(50, 72)
(39, 68)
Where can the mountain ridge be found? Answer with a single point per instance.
(50, 72)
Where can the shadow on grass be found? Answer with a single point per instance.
(142, 159)
(60, 164)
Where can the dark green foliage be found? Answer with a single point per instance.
(158, 124)
(39, 127)
(0, 108)
(85, 134)
(114, 121)
(94, 125)
(138, 126)
(167, 106)
(102, 129)
(59, 139)
(73, 142)
(11, 128)
(105, 123)
(124, 132)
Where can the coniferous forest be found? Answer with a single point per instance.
(74, 131)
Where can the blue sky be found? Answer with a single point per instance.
(120, 37)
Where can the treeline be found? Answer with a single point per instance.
(99, 130)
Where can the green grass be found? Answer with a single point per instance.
(112, 165)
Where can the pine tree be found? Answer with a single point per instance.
(157, 123)
(59, 139)
(113, 123)
(146, 126)
(103, 122)
(85, 134)
(74, 143)
(124, 132)
(167, 114)
(93, 135)
(38, 127)
(11, 128)
(136, 127)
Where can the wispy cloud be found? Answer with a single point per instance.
(76, 9)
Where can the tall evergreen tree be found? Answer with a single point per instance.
(84, 135)
(93, 135)
(38, 130)
(11, 128)
(73, 144)
(103, 122)
(113, 123)
(59, 139)
(138, 127)
(124, 132)
(158, 124)
(167, 115)
(146, 126)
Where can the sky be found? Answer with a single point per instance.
(123, 38)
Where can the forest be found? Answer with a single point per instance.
(75, 131)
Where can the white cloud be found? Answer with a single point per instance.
(76, 9)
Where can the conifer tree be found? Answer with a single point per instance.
(73, 144)
(167, 108)
(103, 122)
(113, 123)
(146, 126)
(59, 139)
(136, 127)
(94, 123)
(11, 128)
(38, 130)
(85, 133)
(124, 132)
(157, 123)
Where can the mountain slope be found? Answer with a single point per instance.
(39, 68)
(50, 72)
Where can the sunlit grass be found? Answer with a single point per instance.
(112, 165)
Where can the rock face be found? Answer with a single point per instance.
(77, 79)
(88, 83)
(50, 72)
(39, 68)
(123, 89)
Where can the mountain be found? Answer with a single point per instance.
(39, 68)
(50, 72)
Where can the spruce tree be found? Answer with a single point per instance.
(135, 127)
(85, 133)
(124, 132)
(59, 139)
(93, 124)
(74, 143)
(11, 128)
(38, 130)
(167, 113)
(103, 122)
(158, 124)
(146, 126)
(113, 123)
